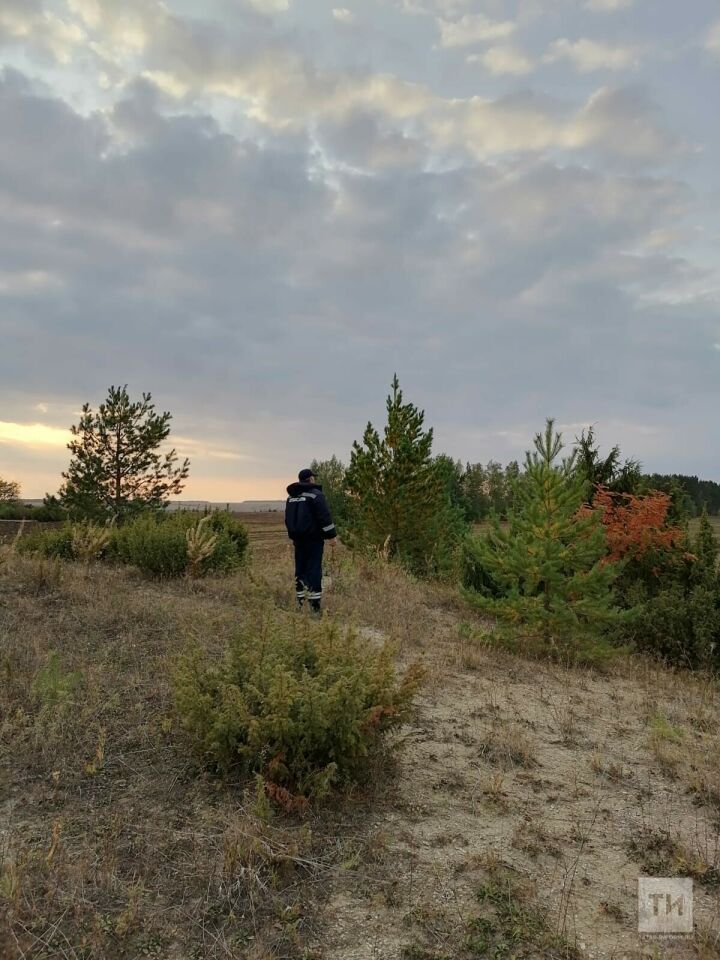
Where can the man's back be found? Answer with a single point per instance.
(307, 515)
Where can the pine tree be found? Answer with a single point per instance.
(547, 570)
(331, 475)
(116, 466)
(610, 472)
(397, 501)
(705, 550)
(477, 503)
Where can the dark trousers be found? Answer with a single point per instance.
(308, 571)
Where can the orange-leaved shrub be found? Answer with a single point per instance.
(636, 526)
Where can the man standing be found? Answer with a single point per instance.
(309, 525)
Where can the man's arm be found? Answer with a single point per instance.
(324, 519)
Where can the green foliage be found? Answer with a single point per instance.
(488, 489)
(304, 704)
(476, 572)
(397, 500)
(56, 543)
(547, 570)
(514, 926)
(331, 475)
(706, 551)
(608, 471)
(690, 494)
(677, 603)
(449, 475)
(232, 542)
(116, 467)
(157, 544)
(16, 510)
(9, 491)
(680, 625)
(51, 509)
(52, 685)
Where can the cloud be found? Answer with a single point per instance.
(608, 6)
(26, 21)
(365, 141)
(212, 251)
(503, 60)
(472, 28)
(281, 89)
(588, 55)
(712, 40)
(343, 15)
(271, 6)
(26, 281)
(624, 122)
(33, 434)
(198, 450)
(260, 230)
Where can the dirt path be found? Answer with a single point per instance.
(549, 774)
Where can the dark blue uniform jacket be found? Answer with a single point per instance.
(313, 494)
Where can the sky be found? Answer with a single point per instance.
(259, 210)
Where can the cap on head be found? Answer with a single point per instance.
(305, 475)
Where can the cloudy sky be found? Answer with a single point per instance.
(259, 209)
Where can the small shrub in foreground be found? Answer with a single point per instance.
(302, 703)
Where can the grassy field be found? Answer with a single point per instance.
(512, 820)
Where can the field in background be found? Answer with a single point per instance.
(267, 530)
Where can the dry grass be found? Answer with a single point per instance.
(545, 789)
(112, 843)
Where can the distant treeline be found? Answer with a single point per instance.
(696, 494)
(483, 489)
(478, 491)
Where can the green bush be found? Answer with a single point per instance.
(676, 598)
(156, 546)
(302, 703)
(51, 509)
(157, 543)
(56, 543)
(680, 625)
(16, 510)
(232, 542)
(475, 574)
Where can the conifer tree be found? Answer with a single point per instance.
(331, 474)
(477, 503)
(705, 550)
(116, 466)
(547, 570)
(397, 501)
